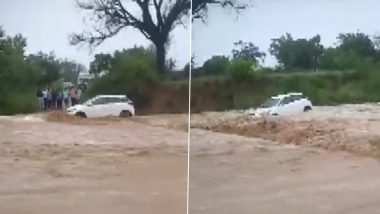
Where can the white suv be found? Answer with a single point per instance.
(284, 104)
(104, 105)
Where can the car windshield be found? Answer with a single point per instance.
(87, 102)
(270, 102)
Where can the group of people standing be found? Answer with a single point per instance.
(58, 98)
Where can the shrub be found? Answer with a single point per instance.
(132, 73)
(241, 69)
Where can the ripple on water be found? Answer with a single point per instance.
(21, 132)
(32, 118)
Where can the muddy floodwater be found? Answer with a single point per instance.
(90, 166)
(323, 161)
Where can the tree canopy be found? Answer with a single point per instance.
(216, 65)
(21, 74)
(155, 19)
(297, 53)
(359, 43)
(247, 51)
(101, 64)
(200, 7)
(352, 51)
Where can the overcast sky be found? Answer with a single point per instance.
(47, 24)
(272, 18)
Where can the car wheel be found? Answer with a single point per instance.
(125, 113)
(81, 114)
(307, 108)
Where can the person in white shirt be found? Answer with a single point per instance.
(66, 97)
(79, 93)
(44, 95)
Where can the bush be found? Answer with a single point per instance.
(328, 88)
(242, 70)
(217, 65)
(132, 73)
(25, 102)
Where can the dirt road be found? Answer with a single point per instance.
(231, 171)
(94, 167)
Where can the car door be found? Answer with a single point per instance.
(301, 103)
(113, 106)
(282, 108)
(288, 106)
(97, 108)
(295, 104)
(304, 103)
(88, 108)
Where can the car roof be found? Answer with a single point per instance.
(280, 96)
(113, 96)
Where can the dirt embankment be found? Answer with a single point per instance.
(170, 98)
(356, 135)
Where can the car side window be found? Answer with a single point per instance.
(298, 97)
(285, 101)
(114, 100)
(125, 100)
(289, 100)
(118, 100)
(99, 101)
(121, 100)
(294, 98)
(108, 100)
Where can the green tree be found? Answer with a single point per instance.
(18, 77)
(131, 72)
(216, 65)
(242, 69)
(101, 64)
(353, 51)
(299, 53)
(247, 51)
(69, 70)
(336, 59)
(49, 67)
(359, 43)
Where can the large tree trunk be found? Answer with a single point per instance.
(161, 57)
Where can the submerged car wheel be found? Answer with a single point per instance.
(307, 108)
(81, 114)
(125, 113)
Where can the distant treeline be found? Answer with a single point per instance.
(346, 73)
(132, 72)
(22, 74)
(353, 51)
